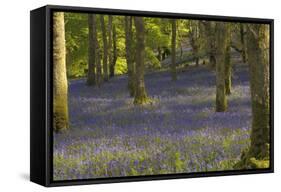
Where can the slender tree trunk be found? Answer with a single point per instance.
(173, 43)
(112, 66)
(210, 38)
(221, 44)
(243, 43)
(105, 49)
(110, 60)
(98, 60)
(60, 88)
(129, 54)
(228, 67)
(258, 58)
(140, 95)
(159, 55)
(194, 38)
(91, 77)
(99, 66)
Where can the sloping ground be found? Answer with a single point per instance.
(179, 132)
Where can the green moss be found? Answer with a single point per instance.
(248, 161)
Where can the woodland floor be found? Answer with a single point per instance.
(179, 132)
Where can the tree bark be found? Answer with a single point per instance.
(243, 42)
(210, 38)
(140, 95)
(173, 56)
(91, 77)
(105, 49)
(258, 58)
(221, 44)
(110, 60)
(114, 38)
(129, 54)
(98, 60)
(194, 38)
(228, 66)
(60, 88)
(99, 67)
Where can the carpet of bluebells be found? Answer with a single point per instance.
(179, 132)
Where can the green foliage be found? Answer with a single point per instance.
(157, 33)
(178, 162)
(76, 35)
(151, 60)
(121, 66)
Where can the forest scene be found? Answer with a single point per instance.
(139, 96)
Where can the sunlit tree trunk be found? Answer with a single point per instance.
(173, 56)
(140, 95)
(105, 49)
(91, 77)
(129, 54)
(221, 44)
(60, 88)
(258, 59)
(110, 61)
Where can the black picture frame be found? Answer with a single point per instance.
(41, 133)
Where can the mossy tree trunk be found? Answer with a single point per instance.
(105, 49)
(221, 45)
(60, 88)
(140, 94)
(91, 77)
(109, 29)
(173, 48)
(228, 66)
(129, 54)
(258, 58)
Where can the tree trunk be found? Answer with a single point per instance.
(173, 56)
(221, 44)
(258, 58)
(99, 66)
(140, 95)
(110, 60)
(129, 54)
(105, 49)
(159, 55)
(112, 66)
(210, 38)
(243, 43)
(194, 38)
(98, 59)
(91, 77)
(60, 88)
(228, 67)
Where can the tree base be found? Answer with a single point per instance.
(142, 101)
(248, 161)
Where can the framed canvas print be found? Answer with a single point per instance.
(125, 95)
